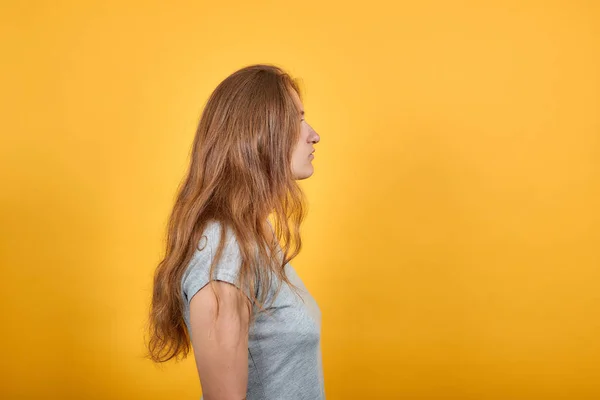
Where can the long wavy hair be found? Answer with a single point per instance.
(239, 175)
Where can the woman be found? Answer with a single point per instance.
(225, 283)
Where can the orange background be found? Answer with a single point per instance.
(453, 237)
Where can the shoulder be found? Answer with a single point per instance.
(227, 267)
(214, 232)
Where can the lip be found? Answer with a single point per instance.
(311, 156)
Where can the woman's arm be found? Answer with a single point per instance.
(221, 345)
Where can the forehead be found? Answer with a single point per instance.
(297, 100)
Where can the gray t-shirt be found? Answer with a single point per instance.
(284, 346)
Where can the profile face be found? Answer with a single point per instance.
(302, 155)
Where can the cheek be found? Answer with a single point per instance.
(304, 134)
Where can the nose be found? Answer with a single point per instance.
(314, 136)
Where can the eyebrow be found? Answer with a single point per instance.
(302, 112)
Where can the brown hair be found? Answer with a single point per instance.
(239, 175)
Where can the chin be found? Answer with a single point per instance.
(305, 173)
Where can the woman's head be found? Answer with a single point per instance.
(253, 129)
(251, 146)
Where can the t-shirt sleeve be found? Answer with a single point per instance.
(227, 269)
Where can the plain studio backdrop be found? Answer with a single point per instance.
(453, 234)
